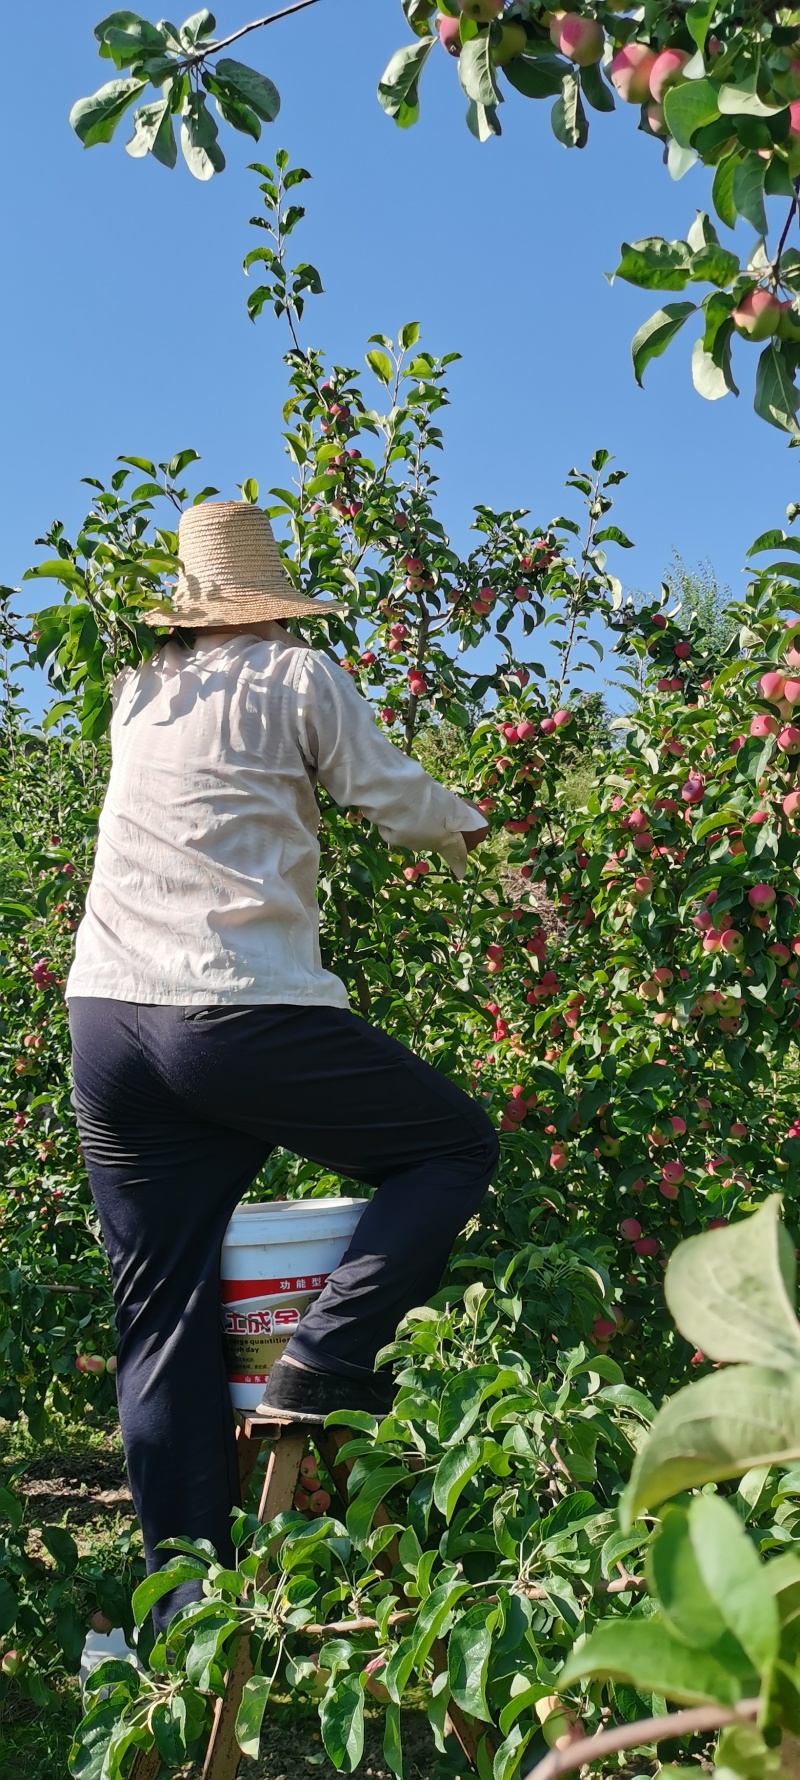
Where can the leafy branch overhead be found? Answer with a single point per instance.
(186, 68)
(713, 84)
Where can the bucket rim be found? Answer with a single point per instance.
(283, 1207)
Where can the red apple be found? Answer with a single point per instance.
(631, 70)
(581, 39)
(667, 71)
(758, 314)
(449, 35)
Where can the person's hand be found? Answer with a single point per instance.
(473, 837)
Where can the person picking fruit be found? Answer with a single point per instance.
(207, 1032)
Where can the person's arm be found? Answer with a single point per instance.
(363, 770)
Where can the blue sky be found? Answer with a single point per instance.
(122, 309)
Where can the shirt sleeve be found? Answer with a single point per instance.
(362, 769)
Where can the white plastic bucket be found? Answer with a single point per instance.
(276, 1259)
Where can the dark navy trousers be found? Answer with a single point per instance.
(178, 1108)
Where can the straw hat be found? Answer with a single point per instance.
(231, 571)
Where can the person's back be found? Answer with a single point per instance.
(204, 887)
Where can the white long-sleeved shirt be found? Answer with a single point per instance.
(204, 887)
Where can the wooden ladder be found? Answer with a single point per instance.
(288, 1443)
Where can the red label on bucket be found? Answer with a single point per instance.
(234, 1290)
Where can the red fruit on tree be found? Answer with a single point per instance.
(758, 315)
(581, 39)
(630, 72)
(449, 31)
(667, 71)
(631, 1229)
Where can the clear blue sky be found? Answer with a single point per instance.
(122, 306)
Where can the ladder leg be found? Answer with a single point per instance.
(283, 1469)
(247, 1450)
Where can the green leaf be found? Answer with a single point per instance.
(674, 1577)
(735, 1578)
(748, 191)
(655, 335)
(476, 71)
(168, 1722)
(200, 25)
(719, 1427)
(433, 1616)
(255, 89)
(342, 1722)
(148, 125)
(722, 190)
(381, 364)
(240, 116)
(95, 119)
(646, 1655)
(398, 87)
(776, 397)
(392, 1745)
(568, 117)
(199, 144)
(713, 264)
(378, 1485)
(250, 1715)
(688, 107)
(469, 1648)
(595, 90)
(61, 1546)
(70, 1630)
(408, 335)
(483, 121)
(58, 568)
(536, 78)
(656, 264)
(710, 379)
(698, 19)
(728, 1291)
(737, 101)
(463, 1396)
(453, 1473)
(176, 1572)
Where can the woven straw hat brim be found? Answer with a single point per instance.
(242, 608)
(231, 572)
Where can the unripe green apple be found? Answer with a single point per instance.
(510, 43)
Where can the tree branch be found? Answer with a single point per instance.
(646, 1730)
(213, 49)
